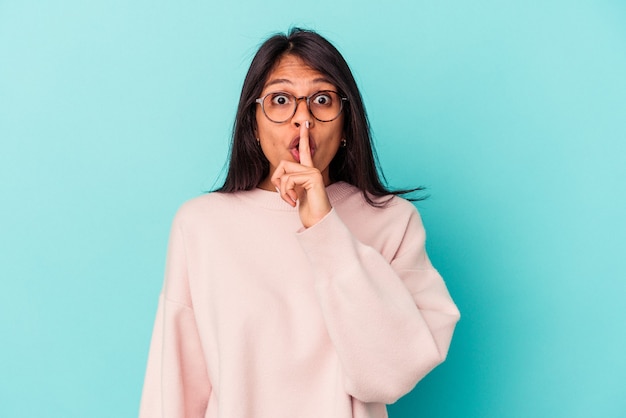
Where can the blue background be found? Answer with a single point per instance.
(112, 113)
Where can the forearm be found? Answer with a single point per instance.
(385, 339)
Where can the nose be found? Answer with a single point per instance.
(302, 112)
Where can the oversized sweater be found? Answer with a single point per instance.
(261, 318)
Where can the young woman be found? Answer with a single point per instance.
(300, 288)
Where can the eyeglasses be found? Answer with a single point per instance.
(279, 107)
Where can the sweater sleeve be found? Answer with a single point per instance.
(176, 384)
(390, 322)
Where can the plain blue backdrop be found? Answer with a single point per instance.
(112, 113)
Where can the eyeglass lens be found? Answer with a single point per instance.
(280, 106)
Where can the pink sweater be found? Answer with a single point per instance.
(260, 318)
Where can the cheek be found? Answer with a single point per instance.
(339, 129)
(337, 134)
(331, 147)
(258, 126)
(265, 130)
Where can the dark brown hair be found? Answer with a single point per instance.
(355, 164)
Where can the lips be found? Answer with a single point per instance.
(294, 148)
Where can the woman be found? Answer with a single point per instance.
(300, 288)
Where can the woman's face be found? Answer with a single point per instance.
(292, 75)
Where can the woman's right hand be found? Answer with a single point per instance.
(302, 184)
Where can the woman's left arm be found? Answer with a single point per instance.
(390, 322)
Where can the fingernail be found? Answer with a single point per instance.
(306, 123)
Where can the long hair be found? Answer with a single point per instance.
(355, 164)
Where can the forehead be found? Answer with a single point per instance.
(292, 70)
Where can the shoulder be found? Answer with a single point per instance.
(352, 199)
(204, 207)
(391, 213)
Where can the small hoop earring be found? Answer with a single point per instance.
(344, 143)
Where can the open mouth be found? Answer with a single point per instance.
(294, 148)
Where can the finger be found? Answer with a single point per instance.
(286, 167)
(290, 179)
(304, 148)
(287, 190)
(276, 175)
(279, 180)
(303, 181)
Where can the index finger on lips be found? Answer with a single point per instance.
(304, 148)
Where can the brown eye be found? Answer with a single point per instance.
(323, 99)
(280, 99)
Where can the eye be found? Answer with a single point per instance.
(323, 99)
(280, 99)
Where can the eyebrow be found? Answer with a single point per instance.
(287, 81)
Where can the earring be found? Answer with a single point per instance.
(258, 141)
(344, 143)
